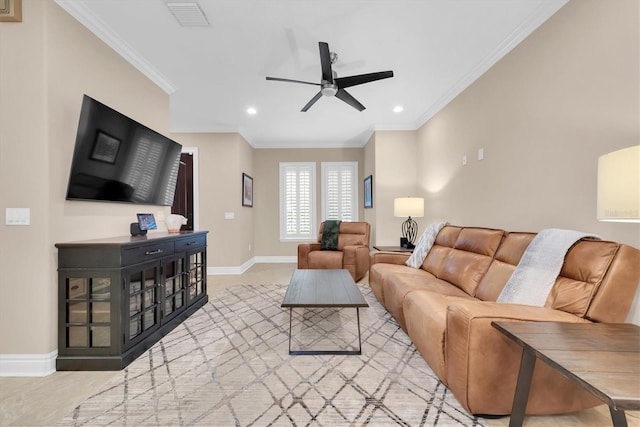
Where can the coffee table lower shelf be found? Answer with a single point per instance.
(330, 352)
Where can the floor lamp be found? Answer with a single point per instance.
(619, 185)
(408, 207)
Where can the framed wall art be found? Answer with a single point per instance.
(247, 190)
(10, 10)
(368, 192)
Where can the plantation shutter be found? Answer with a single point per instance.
(297, 201)
(340, 191)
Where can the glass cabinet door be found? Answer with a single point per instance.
(175, 284)
(142, 298)
(88, 312)
(197, 275)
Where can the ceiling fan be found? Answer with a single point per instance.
(332, 85)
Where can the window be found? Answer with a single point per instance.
(340, 191)
(298, 201)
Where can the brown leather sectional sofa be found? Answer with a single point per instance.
(448, 304)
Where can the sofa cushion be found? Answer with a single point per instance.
(505, 261)
(470, 258)
(351, 234)
(325, 260)
(444, 243)
(397, 286)
(425, 316)
(582, 273)
(379, 272)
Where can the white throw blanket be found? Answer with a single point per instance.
(538, 269)
(424, 244)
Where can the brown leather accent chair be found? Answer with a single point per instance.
(352, 253)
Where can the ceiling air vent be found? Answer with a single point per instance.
(188, 14)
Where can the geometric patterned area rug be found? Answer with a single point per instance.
(228, 365)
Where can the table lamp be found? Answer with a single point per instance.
(408, 207)
(619, 185)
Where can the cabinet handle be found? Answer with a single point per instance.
(157, 251)
(191, 243)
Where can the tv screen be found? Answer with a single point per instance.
(118, 159)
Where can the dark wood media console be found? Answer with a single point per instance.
(117, 297)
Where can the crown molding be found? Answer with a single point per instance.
(543, 12)
(90, 20)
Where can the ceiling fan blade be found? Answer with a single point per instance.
(349, 81)
(278, 79)
(346, 97)
(310, 103)
(325, 62)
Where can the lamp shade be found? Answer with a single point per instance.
(408, 206)
(619, 185)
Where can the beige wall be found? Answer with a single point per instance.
(266, 198)
(568, 94)
(369, 169)
(223, 157)
(47, 63)
(395, 176)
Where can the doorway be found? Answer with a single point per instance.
(185, 200)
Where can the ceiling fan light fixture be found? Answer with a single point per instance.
(329, 89)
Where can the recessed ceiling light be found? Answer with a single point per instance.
(398, 109)
(251, 111)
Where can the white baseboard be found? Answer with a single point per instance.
(216, 271)
(28, 365)
(276, 259)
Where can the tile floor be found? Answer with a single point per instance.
(44, 401)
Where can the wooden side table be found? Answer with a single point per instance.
(602, 358)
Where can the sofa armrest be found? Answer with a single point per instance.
(356, 260)
(303, 253)
(389, 257)
(482, 364)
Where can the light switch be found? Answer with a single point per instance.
(229, 215)
(481, 154)
(17, 216)
(464, 160)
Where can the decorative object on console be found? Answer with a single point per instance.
(408, 207)
(368, 192)
(134, 229)
(174, 222)
(247, 190)
(146, 221)
(619, 185)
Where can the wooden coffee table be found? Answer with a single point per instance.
(602, 358)
(323, 288)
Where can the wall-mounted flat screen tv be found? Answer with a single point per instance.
(117, 159)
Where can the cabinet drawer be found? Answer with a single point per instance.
(146, 253)
(191, 242)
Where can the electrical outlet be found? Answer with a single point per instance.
(464, 160)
